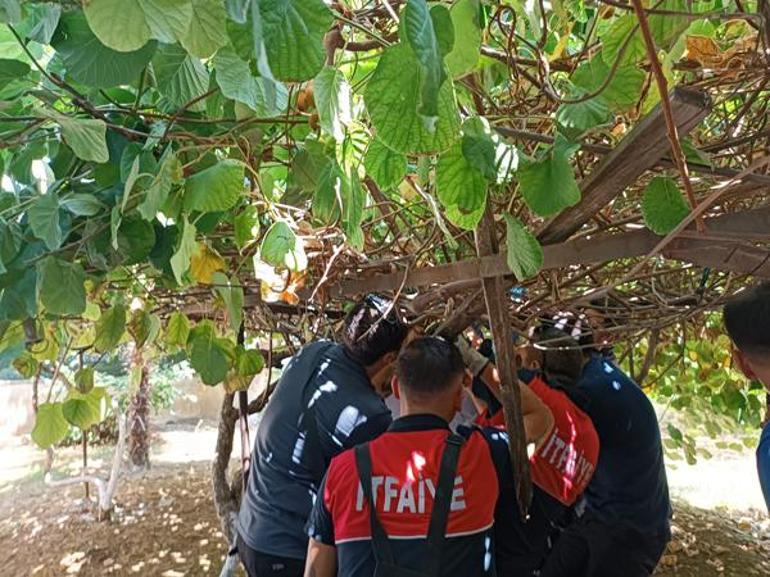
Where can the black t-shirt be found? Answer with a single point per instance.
(629, 486)
(405, 463)
(323, 404)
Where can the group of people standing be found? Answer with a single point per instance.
(337, 486)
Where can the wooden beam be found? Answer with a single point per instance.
(638, 152)
(732, 257)
(748, 224)
(495, 296)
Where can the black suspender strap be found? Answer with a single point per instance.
(380, 543)
(442, 502)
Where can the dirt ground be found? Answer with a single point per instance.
(166, 527)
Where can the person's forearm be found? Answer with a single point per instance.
(321, 560)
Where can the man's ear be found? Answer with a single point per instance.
(743, 364)
(395, 387)
(389, 358)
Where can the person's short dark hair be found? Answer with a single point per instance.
(428, 365)
(562, 357)
(373, 329)
(747, 320)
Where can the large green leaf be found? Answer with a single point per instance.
(50, 425)
(231, 293)
(262, 95)
(525, 255)
(421, 35)
(43, 19)
(575, 119)
(118, 24)
(666, 28)
(44, 220)
(10, 242)
(392, 97)
(177, 330)
(110, 328)
(386, 167)
(180, 261)
(216, 188)
(353, 200)
(60, 286)
(208, 28)
(292, 34)
(548, 184)
(168, 20)
(18, 300)
(181, 78)
(81, 411)
(169, 173)
(623, 90)
(86, 137)
(465, 53)
(11, 70)
(458, 183)
(91, 62)
(144, 327)
(333, 101)
(479, 147)
(246, 227)
(663, 205)
(10, 11)
(282, 248)
(625, 28)
(208, 354)
(83, 204)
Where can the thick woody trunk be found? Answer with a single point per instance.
(139, 418)
(226, 501)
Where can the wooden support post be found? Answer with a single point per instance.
(505, 359)
(639, 151)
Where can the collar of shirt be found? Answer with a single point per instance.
(422, 422)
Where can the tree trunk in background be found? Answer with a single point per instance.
(139, 417)
(226, 501)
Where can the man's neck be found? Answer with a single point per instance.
(408, 409)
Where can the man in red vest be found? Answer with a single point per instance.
(419, 500)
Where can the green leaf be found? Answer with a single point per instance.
(118, 24)
(421, 36)
(231, 293)
(84, 380)
(386, 167)
(168, 20)
(11, 70)
(525, 255)
(144, 327)
(353, 199)
(262, 95)
(216, 188)
(177, 330)
(181, 78)
(459, 184)
(548, 185)
(246, 227)
(60, 287)
(169, 173)
(10, 11)
(467, 29)
(663, 205)
(10, 242)
(87, 137)
(26, 365)
(110, 328)
(208, 354)
(238, 10)
(81, 204)
(392, 97)
(464, 220)
(675, 433)
(50, 425)
(333, 101)
(615, 38)
(328, 191)
(208, 29)
(43, 18)
(623, 90)
(667, 28)
(91, 62)
(81, 411)
(292, 33)
(43, 217)
(479, 147)
(578, 118)
(248, 364)
(281, 247)
(180, 262)
(444, 28)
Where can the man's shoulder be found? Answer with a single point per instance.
(764, 442)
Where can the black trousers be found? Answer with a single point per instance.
(259, 564)
(588, 548)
